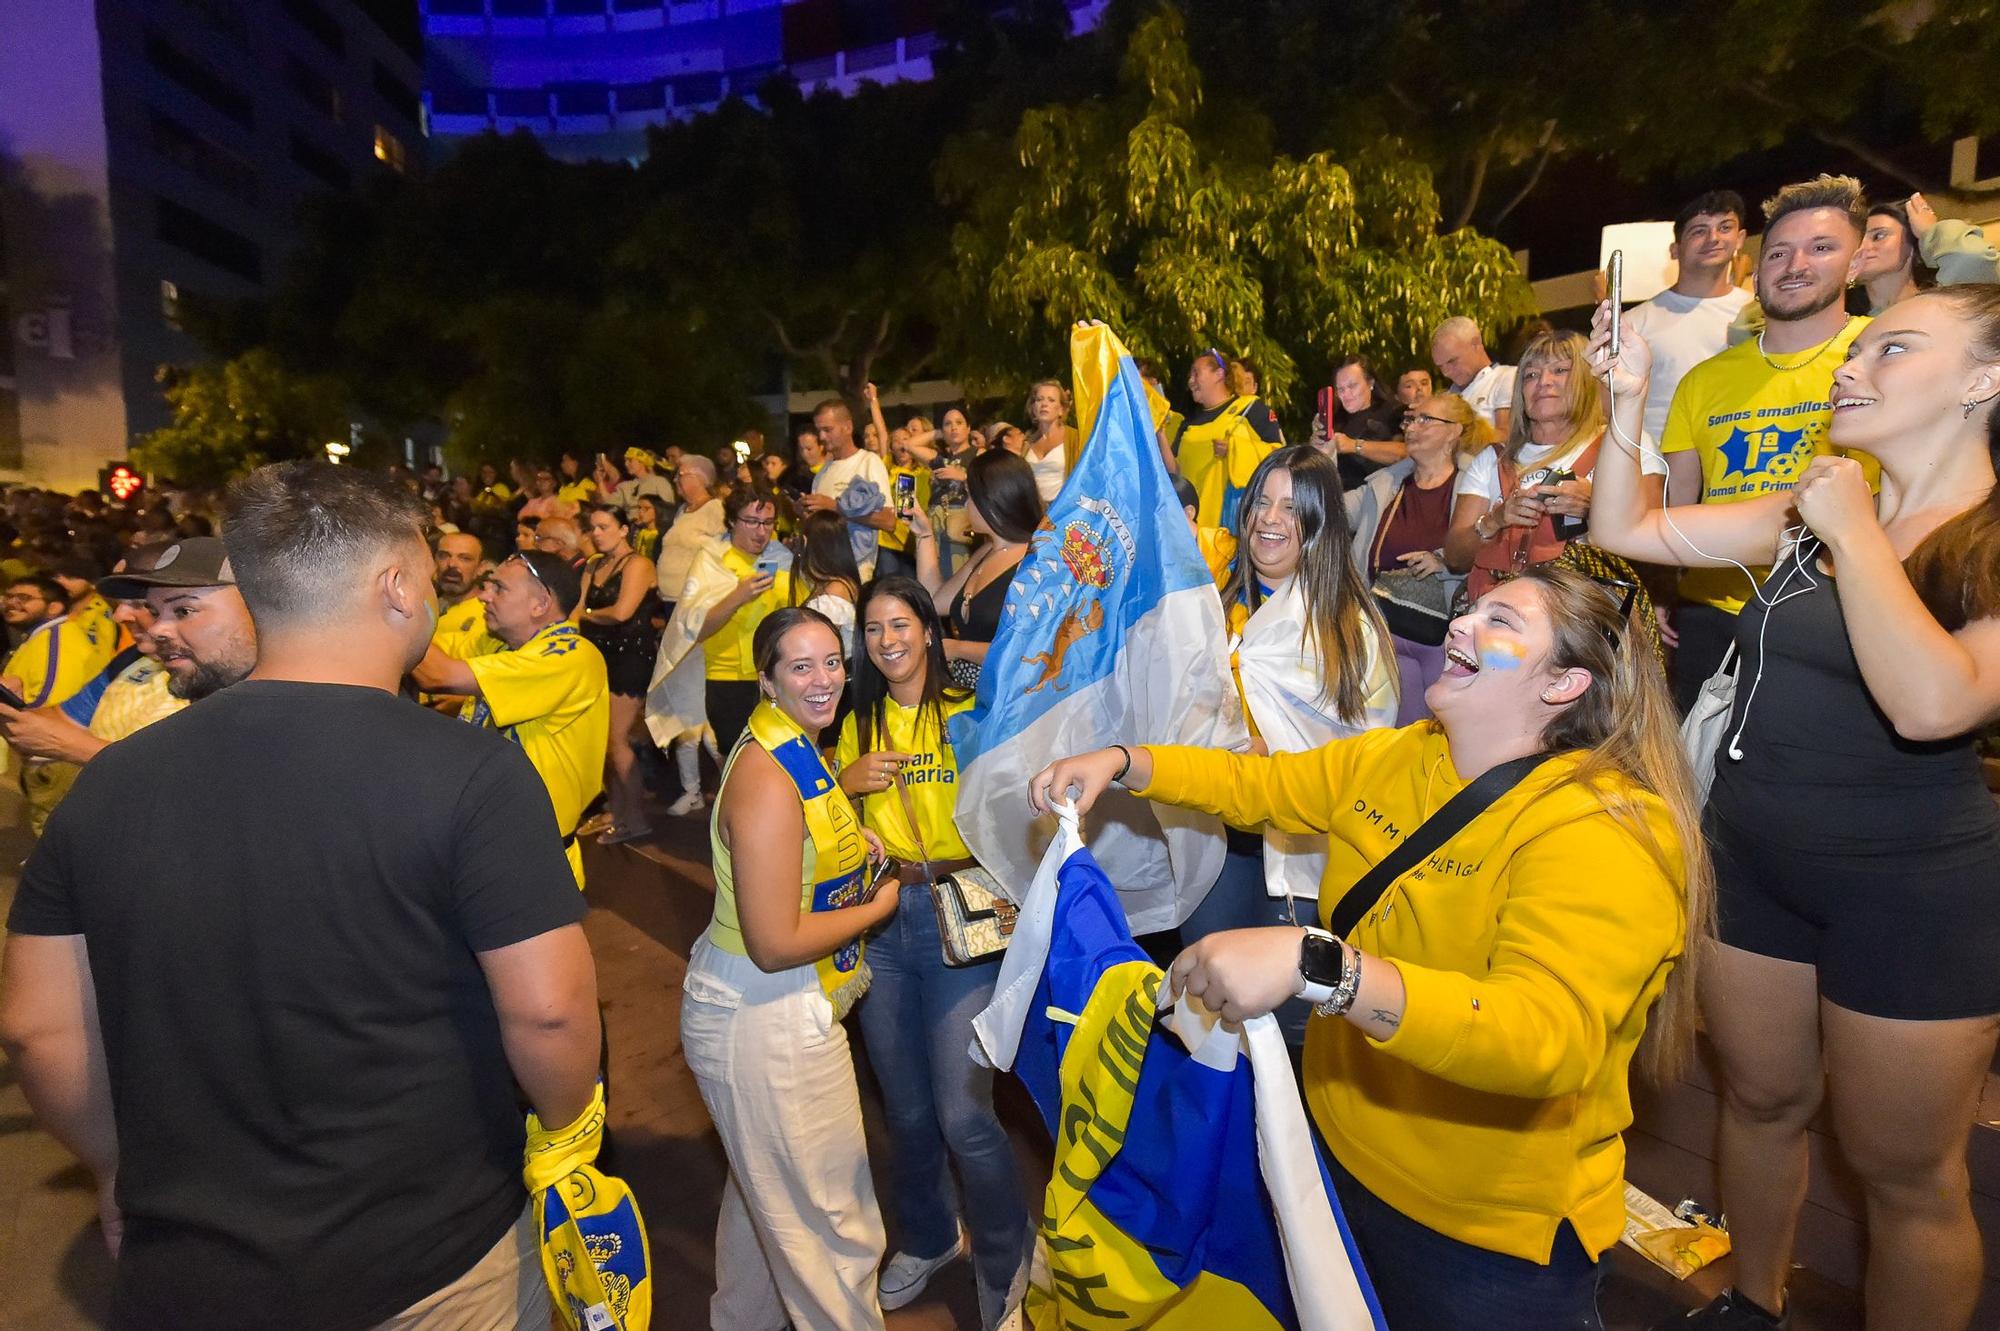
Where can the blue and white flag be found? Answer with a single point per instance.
(1112, 633)
(1186, 1191)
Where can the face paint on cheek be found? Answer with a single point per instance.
(1502, 655)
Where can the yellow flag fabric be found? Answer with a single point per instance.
(595, 1255)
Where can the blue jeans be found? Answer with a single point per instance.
(1429, 1282)
(917, 1022)
(1238, 901)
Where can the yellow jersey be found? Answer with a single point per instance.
(1249, 432)
(899, 539)
(1532, 947)
(58, 660)
(727, 655)
(931, 777)
(468, 616)
(581, 491)
(106, 635)
(1755, 428)
(549, 695)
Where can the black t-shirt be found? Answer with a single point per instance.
(282, 890)
(1382, 420)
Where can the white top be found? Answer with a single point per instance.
(1049, 472)
(1492, 389)
(626, 497)
(1682, 332)
(841, 611)
(678, 544)
(837, 475)
(1481, 476)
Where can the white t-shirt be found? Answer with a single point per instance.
(1481, 476)
(1049, 472)
(1491, 390)
(680, 542)
(1682, 332)
(838, 474)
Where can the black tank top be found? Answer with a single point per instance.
(633, 635)
(1822, 767)
(977, 618)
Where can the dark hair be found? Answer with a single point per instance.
(1898, 210)
(45, 583)
(1339, 611)
(1713, 203)
(741, 497)
(1378, 396)
(300, 533)
(79, 564)
(1956, 569)
(825, 555)
(1184, 491)
(764, 642)
(1002, 484)
(868, 691)
(556, 574)
(611, 511)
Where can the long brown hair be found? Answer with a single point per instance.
(1956, 569)
(1629, 734)
(1343, 629)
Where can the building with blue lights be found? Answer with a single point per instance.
(589, 77)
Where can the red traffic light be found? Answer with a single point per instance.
(121, 482)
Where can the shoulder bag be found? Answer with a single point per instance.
(1425, 838)
(1708, 721)
(975, 922)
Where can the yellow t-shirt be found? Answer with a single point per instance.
(1531, 946)
(931, 778)
(105, 635)
(549, 696)
(134, 700)
(899, 539)
(1755, 429)
(580, 491)
(468, 616)
(56, 662)
(727, 654)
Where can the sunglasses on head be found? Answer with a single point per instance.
(520, 558)
(1221, 361)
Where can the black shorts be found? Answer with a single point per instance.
(1907, 936)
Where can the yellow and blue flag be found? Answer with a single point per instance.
(1112, 633)
(1187, 1191)
(595, 1255)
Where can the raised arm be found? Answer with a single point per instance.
(1623, 518)
(763, 826)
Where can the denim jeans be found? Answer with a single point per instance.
(1430, 1282)
(1239, 901)
(917, 1023)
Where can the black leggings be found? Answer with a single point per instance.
(730, 702)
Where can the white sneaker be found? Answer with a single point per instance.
(691, 802)
(904, 1278)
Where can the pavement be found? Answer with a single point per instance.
(650, 901)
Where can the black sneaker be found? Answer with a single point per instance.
(1728, 1311)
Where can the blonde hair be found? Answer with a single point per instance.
(1062, 395)
(1626, 727)
(1475, 432)
(1586, 394)
(1241, 378)
(1822, 191)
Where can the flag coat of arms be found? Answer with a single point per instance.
(1112, 633)
(1186, 1191)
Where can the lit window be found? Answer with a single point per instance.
(389, 149)
(170, 304)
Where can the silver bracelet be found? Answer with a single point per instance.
(1343, 994)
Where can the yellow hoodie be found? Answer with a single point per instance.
(1532, 946)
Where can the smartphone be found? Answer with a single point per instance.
(906, 491)
(767, 565)
(742, 450)
(12, 699)
(1617, 297)
(889, 869)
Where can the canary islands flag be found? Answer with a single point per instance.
(1112, 633)
(1187, 1192)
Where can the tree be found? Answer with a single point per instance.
(236, 415)
(1171, 216)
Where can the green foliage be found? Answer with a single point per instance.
(235, 415)
(1167, 214)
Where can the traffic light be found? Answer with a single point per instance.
(121, 482)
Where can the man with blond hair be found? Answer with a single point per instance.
(1459, 350)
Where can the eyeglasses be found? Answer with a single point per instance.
(757, 522)
(1631, 590)
(23, 598)
(1412, 417)
(1221, 361)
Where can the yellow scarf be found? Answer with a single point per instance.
(839, 868)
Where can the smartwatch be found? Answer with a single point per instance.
(1322, 966)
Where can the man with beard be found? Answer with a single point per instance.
(55, 659)
(1756, 414)
(460, 559)
(280, 962)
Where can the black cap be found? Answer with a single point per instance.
(199, 561)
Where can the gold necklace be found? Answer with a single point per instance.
(1812, 356)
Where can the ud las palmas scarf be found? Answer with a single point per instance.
(1187, 1191)
(594, 1250)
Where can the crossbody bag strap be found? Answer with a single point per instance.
(1433, 832)
(909, 812)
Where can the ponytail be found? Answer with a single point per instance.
(1626, 727)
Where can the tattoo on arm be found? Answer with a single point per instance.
(1385, 1017)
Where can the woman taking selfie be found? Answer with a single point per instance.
(1856, 847)
(897, 761)
(1003, 509)
(799, 1237)
(616, 614)
(1490, 1012)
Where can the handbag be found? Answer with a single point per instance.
(1415, 606)
(1708, 720)
(958, 526)
(1425, 839)
(975, 922)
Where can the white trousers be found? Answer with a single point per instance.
(800, 1238)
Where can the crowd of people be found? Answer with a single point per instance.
(1477, 596)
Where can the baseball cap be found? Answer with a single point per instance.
(199, 561)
